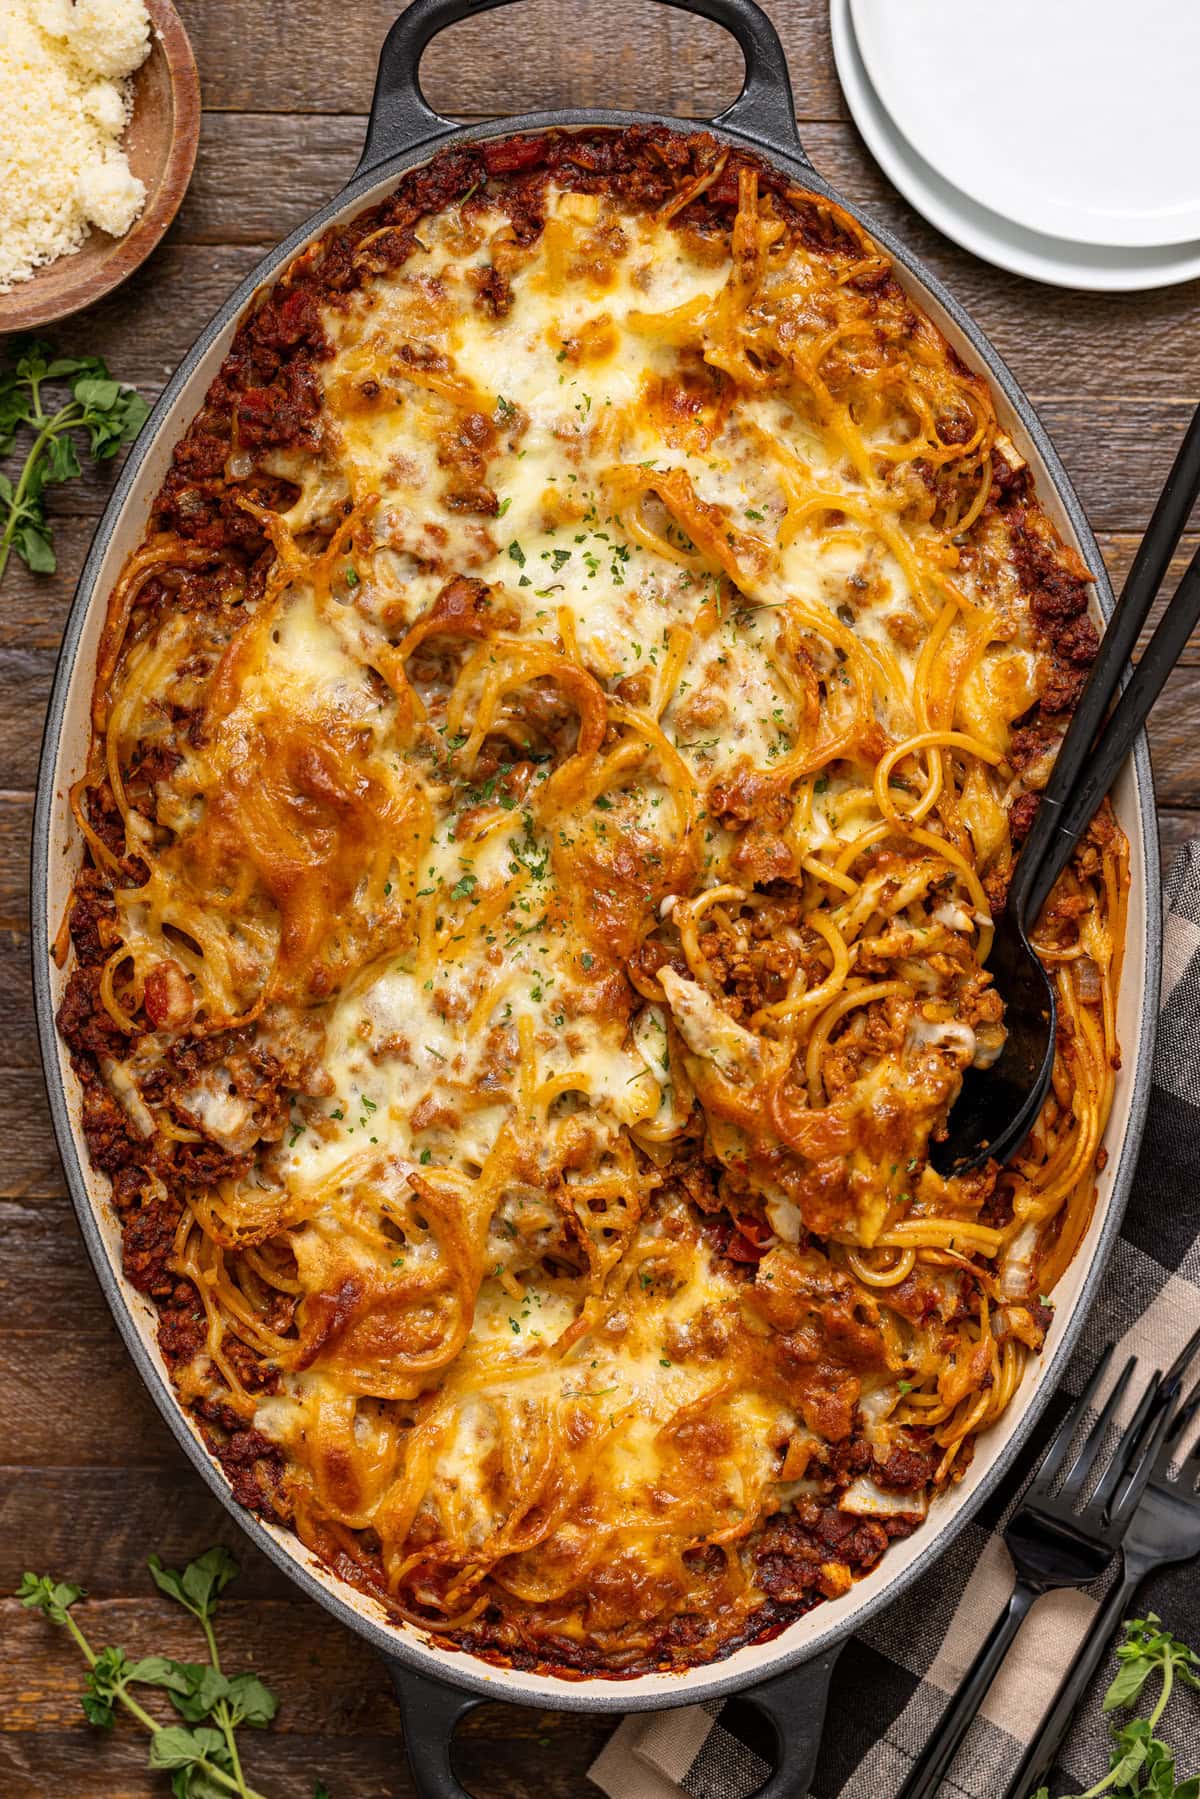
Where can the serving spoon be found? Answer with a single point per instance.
(997, 1106)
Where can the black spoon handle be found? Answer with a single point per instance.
(1116, 646)
(1132, 709)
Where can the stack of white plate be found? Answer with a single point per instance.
(1057, 138)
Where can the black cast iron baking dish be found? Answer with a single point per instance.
(788, 1677)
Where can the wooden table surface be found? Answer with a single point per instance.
(91, 1480)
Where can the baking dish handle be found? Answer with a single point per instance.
(402, 119)
(794, 1706)
(793, 1703)
(431, 1712)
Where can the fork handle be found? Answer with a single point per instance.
(931, 1766)
(1040, 1756)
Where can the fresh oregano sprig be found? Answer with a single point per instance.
(201, 1754)
(1141, 1763)
(109, 412)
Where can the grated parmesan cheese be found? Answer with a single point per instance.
(64, 103)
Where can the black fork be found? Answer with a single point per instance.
(1057, 1541)
(1165, 1528)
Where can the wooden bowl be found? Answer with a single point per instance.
(160, 142)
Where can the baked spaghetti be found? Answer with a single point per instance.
(558, 754)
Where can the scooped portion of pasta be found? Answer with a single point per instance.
(559, 752)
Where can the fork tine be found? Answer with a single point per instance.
(1179, 1366)
(1053, 1458)
(1081, 1467)
(1154, 1403)
(1183, 1416)
(1189, 1467)
(1141, 1468)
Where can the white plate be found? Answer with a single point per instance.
(1057, 261)
(1077, 118)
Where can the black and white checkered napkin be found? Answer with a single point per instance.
(892, 1681)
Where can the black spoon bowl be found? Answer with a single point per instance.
(997, 1106)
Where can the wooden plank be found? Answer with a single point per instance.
(1118, 449)
(16, 821)
(99, 1525)
(79, 1764)
(44, 1275)
(1133, 343)
(539, 56)
(28, 656)
(18, 1046)
(311, 157)
(327, 1679)
(31, 1163)
(1112, 357)
(1173, 740)
(31, 1166)
(35, 606)
(113, 1425)
(32, 1170)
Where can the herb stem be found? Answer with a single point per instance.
(131, 1705)
(50, 427)
(210, 1639)
(221, 1710)
(225, 1722)
(1168, 1681)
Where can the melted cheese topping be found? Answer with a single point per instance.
(578, 867)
